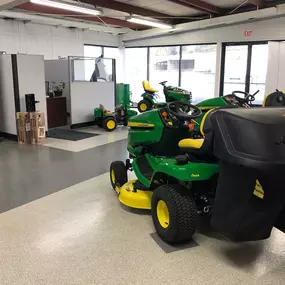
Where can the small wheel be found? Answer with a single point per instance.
(109, 124)
(118, 174)
(144, 105)
(174, 213)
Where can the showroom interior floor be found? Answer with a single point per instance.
(82, 235)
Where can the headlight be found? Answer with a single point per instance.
(187, 92)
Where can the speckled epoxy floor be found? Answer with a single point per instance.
(81, 235)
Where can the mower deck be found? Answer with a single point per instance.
(134, 198)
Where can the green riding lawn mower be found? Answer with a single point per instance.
(232, 173)
(171, 94)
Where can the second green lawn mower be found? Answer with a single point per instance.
(233, 173)
(171, 94)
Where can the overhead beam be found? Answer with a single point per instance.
(127, 8)
(258, 3)
(53, 11)
(199, 6)
(9, 4)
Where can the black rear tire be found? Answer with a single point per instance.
(118, 174)
(182, 213)
(144, 105)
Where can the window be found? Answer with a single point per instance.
(245, 69)
(258, 71)
(235, 68)
(164, 66)
(135, 70)
(92, 69)
(92, 51)
(113, 52)
(198, 70)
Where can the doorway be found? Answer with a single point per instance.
(244, 68)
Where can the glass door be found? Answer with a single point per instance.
(258, 71)
(244, 68)
(235, 68)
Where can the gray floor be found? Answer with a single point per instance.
(83, 236)
(28, 173)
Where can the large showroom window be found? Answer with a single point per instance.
(113, 52)
(92, 51)
(164, 66)
(198, 69)
(135, 70)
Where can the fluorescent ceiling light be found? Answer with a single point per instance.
(149, 23)
(64, 6)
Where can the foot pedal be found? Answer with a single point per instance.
(182, 159)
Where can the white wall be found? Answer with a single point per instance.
(57, 71)
(49, 41)
(31, 78)
(271, 29)
(7, 102)
(276, 68)
(86, 96)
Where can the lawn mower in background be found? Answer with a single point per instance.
(274, 99)
(171, 94)
(110, 120)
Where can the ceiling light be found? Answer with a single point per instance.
(149, 23)
(64, 6)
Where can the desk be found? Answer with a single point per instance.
(56, 112)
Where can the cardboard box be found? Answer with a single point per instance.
(38, 130)
(23, 127)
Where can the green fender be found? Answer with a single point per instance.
(149, 97)
(188, 172)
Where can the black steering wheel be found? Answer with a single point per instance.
(163, 83)
(178, 109)
(248, 98)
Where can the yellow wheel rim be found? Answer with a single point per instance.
(111, 124)
(162, 214)
(143, 107)
(113, 176)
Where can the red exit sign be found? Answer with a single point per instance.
(248, 33)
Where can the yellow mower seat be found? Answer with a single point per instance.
(191, 143)
(195, 143)
(147, 87)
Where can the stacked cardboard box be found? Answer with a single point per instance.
(23, 127)
(38, 130)
(31, 127)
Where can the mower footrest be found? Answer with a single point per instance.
(144, 167)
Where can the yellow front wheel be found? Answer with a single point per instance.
(109, 124)
(174, 213)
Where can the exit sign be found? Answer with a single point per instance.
(248, 33)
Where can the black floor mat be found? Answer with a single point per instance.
(69, 135)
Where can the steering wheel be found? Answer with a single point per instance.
(248, 98)
(163, 83)
(177, 109)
